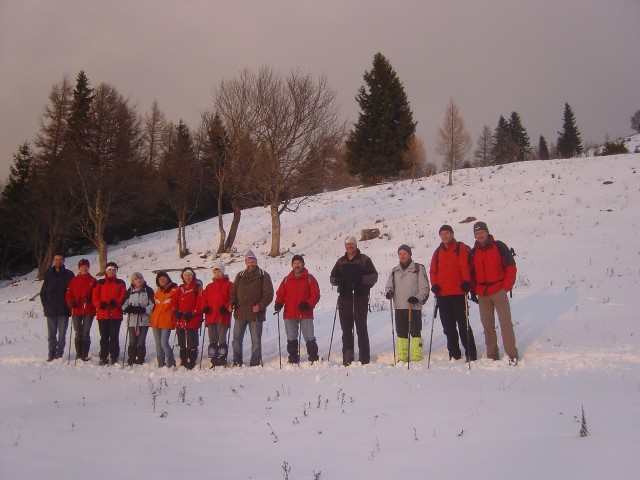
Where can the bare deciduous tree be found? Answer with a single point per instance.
(416, 157)
(482, 154)
(454, 142)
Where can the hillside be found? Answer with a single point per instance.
(575, 227)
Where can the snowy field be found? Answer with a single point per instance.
(575, 226)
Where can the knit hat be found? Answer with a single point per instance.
(250, 254)
(218, 266)
(187, 269)
(160, 275)
(137, 275)
(84, 261)
(406, 248)
(350, 239)
(112, 265)
(480, 226)
(445, 228)
(297, 257)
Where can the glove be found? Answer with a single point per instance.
(474, 297)
(73, 304)
(87, 299)
(389, 295)
(465, 286)
(413, 300)
(103, 305)
(178, 314)
(188, 316)
(113, 304)
(278, 306)
(304, 306)
(129, 309)
(140, 310)
(206, 310)
(223, 309)
(436, 289)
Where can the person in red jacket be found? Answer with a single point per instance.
(186, 308)
(79, 300)
(298, 293)
(493, 272)
(215, 306)
(451, 280)
(108, 297)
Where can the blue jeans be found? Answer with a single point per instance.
(306, 326)
(164, 352)
(56, 333)
(255, 330)
(82, 326)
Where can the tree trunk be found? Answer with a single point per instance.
(275, 231)
(223, 234)
(103, 250)
(233, 229)
(450, 177)
(180, 246)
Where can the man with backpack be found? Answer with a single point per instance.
(493, 272)
(451, 279)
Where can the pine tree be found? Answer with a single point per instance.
(377, 144)
(519, 135)
(569, 141)
(543, 149)
(504, 148)
(635, 121)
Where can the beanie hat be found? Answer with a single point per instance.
(445, 228)
(297, 257)
(250, 254)
(350, 239)
(406, 248)
(112, 265)
(218, 266)
(84, 261)
(480, 226)
(187, 269)
(160, 275)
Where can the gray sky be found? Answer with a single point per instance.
(491, 56)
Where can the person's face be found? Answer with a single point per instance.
(58, 261)
(83, 269)
(404, 256)
(217, 273)
(137, 282)
(350, 248)
(298, 266)
(251, 264)
(162, 281)
(481, 236)
(111, 272)
(187, 276)
(446, 236)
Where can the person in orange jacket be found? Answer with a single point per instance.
(162, 319)
(215, 304)
(79, 300)
(451, 280)
(186, 308)
(107, 298)
(298, 293)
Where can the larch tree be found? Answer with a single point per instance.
(454, 142)
(482, 154)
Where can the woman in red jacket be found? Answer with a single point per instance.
(186, 308)
(215, 306)
(108, 297)
(79, 300)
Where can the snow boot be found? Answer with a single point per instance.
(403, 349)
(183, 357)
(416, 349)
(292, 349)
(221, 359)
(141, 353)
(312, 350)
(79, 347)
(347, 357)
(192, 358)
(85, 350)
(212, 351)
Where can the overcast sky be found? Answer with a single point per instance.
(491, 56)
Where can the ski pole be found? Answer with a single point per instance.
(204, 327)
(84, 306)
(466, 313)
(299, 339)
(279, 342)
(126, 338)
(333, 328)
(435, 312)
(409, 340)
(393, 339)
(70, 332)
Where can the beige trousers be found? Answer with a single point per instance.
(500, 302)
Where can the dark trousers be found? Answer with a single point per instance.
(402, 323)
(452, 314)
(109, 339)
(353, 310)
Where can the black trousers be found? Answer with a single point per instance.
(109, 339)
(402, 323)
(452, 315)
(353, 311)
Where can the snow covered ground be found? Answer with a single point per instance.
(575, 225)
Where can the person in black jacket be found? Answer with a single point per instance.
(354, 274)
(52, 295)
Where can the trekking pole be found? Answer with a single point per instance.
(466, 313)
(435, 312)
(393, 338)
(279, 342)
(84, 306)
(70, 332)
(204, 327)
(409, 340)
(126, 338)
(299, 339)
(332, 329)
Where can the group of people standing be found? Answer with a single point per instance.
(486, 273)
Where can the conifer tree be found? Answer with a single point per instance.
(635, 121)
(543, 149)
(379, 140)
(519, 135)
(569, 141)
(482, 154)
(504, 148)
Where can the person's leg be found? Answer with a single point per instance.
(255, 330)
(345, 311)
(446, 305)
(239, 328)
(487, 317)
(361, 306)
(160, 356)
(291, 329)
(501, 301)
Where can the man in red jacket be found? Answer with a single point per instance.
(82, 310)
(298, 294)
(494, 273)
(451, 280)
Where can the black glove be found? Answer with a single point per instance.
(304, 306)
(436, 289)
(465, 286)
(103, 305)
(206, 310)
(87, 299)
(113, 304)
(73, 304)
(389, 295)
(278, 306)
(188, 316)
(178, 314)
(223, 309)
(474, 297)
(140, 310)
(413, 300)
(129, 309)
